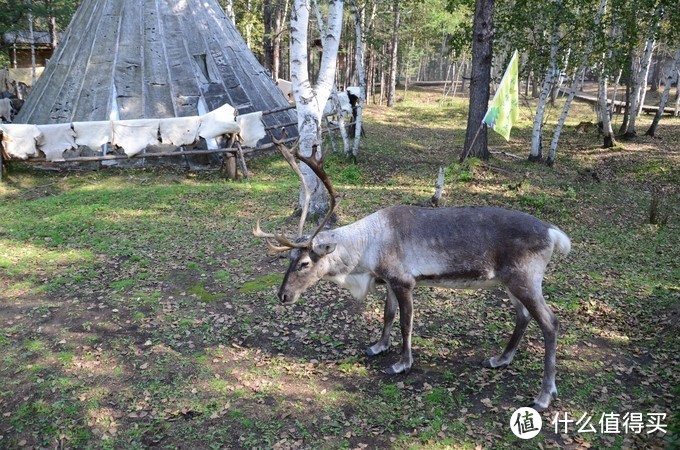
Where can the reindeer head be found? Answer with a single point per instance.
(308, 262)
(306, 267)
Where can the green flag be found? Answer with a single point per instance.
(503, 110)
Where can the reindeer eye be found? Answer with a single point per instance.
(304, 265)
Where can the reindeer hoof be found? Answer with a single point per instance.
(397, 368)
(371, 351)
(490, 364)
(538, 407)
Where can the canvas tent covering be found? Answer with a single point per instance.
(128, 61)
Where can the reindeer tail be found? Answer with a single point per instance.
(561, 241)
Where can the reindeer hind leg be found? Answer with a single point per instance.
(530, 295)
(523, 319)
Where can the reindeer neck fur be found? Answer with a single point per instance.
(354, 260)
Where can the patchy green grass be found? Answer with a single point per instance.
(137, 311)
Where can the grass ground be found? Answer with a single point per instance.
(137, 311)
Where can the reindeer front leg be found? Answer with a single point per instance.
(404, 297)
(388, 320)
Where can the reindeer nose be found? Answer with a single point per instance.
(285, 297)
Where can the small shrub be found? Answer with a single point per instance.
(658, 213)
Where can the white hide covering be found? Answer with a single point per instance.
(5, 109)
(354, 90)
(55, 139)
(218, 122)
(345, 107)
(180, 130)
(286, 87)
(252, 128)
(132, 135)
(135, 135)
(19, 139)
(93, 134)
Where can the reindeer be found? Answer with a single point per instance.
(405, 246)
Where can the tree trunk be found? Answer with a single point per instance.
(465, 77)
(636, 76)
(609, 139)
(229, 10)
(643, 86)
(482, 43)
(560, 124)
(537, 133)
(655, 82)
(455, 81)
(526, 86)
(272, 17)
(676, 113)
(640, 80)
(612, 105)
(383, 82)
(394, 56)
(359, 16)
(626, 108)
(666, 93)
(370, 79)
(311, 99)
(249, 26)
(572, 92)
(268, 38)
(54, 36)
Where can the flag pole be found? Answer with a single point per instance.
(472, 144)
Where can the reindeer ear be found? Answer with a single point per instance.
(324, 248)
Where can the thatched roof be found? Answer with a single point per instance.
(133, 59)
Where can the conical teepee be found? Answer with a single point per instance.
(134, 59)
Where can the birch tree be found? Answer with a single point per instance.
(394, 56)
(675, 68)
(572, 91)
(537, 131)
(311, 97)
(640, 77)
(359, 15)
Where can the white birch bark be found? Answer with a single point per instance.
(643, 86)
(560, 123)
(229, 11)
(33, 63)
(640, 80)
(455, 83)
(609, 140)
(612, 105)
(666, 93)
(340, 114)
(536, 151)
(572, 90)
(676, 113)
(394, 56)
(311, 98)
(358, 23)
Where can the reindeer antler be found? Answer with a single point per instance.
(317, 167)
